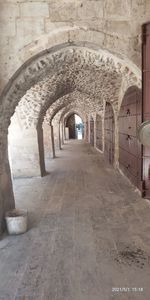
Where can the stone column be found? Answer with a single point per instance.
(26, 150)
(41, 150)
(62, 131)
(94, 118)
(6, 190)
(88, 129)
(59, 137)
(47, 140)
(52, 141)
(116, 154)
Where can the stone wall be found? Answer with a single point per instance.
(69, 56)
(30, 27)
(24, 153)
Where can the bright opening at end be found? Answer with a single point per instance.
(79, 127)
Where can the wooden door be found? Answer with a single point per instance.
(92, 131)
(146, 104)
(99, 143)
(87, 130)
(129, 147)
(109, 133)
(72, 126)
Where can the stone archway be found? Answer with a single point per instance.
(109, 133)
(70, 124)
(47, 77)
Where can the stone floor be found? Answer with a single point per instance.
(89, 233)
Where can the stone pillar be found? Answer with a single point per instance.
(41, 150)
(52, 141)
(47, 140)
(59, 137)
(25, 150)
(89, 129)
(6, 190)
(62, 131)
(116, 154)
(94, 118)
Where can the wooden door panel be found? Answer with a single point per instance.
(71, 125)
(109, 133)
(129, 147)
(127, 125)
(99, 144)
(92, 132)
(146, 104)
(87, 131)
(129, 144)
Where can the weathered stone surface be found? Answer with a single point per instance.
(23, 147)
(63, 11)
(118, 27)
(96, 21)
(29, 29)
(9, 11)
(8, 29)
(82, 216)
(89, 10)
(118, 8)
(97, 48)
(34, 10)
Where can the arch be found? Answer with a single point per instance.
(50, 75)
(109, 133)
(42, 64)
(66, 112)
(70, 124)
(69, 111)
(130, 152)
(99, 132)
(72, 35)
(75, 100)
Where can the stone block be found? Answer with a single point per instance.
(8, 11)
(118, 27)
(147, 8)
(23, 149)
(62, 11)
(90, 10)
(118, 8)
(97, 25)
(29, 29)
(138, 7)
(51, 26)
(8, 29)
(117, 45)
(34, 10)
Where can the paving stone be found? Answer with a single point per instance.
(78, 234)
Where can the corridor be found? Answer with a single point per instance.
(88, 233)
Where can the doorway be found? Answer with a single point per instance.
(92, 131)
(99, 142)
(109, 129)
(146, 106)
(75, 127)
(129, 147)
